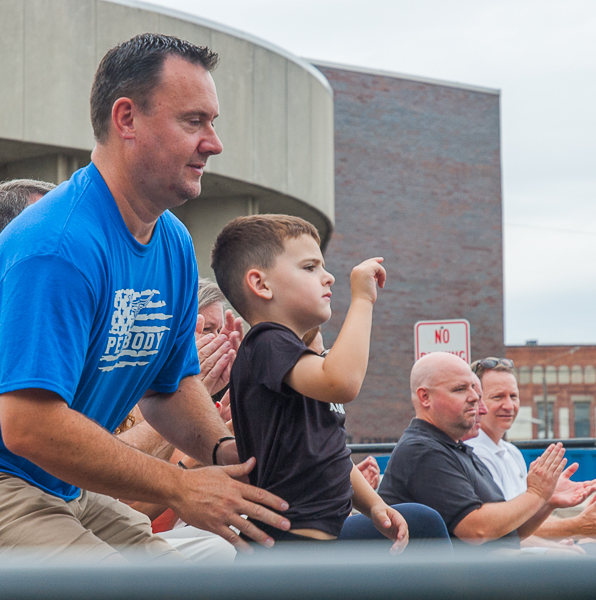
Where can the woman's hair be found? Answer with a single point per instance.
(209, 293)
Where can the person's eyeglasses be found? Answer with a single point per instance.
(491, 363)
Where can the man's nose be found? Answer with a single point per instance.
(211, 144)
(508, 403)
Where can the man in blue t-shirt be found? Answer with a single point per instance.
(98, 302)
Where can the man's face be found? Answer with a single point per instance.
(300, 285)
(176, 135)
(454, 399)
(501, 397)
(482, 410)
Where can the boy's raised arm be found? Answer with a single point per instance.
(339, 376)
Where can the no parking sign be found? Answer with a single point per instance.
(451, 335)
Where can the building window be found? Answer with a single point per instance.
(577, 374)
(537, 373)
(564, 375)
(524, 375)
(564, 423)
(551, 374)
(551, 421)
(581, 419)
(590, 374)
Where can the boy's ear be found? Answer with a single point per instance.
(255, 280)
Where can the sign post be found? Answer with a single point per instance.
(451, 335)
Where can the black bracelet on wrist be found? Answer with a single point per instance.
(225, 438)
(182, 465)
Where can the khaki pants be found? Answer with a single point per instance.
(90, 528)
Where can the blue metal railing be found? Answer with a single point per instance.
(580, 450)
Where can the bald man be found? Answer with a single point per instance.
(431, 465)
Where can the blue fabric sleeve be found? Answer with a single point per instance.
(46, 313)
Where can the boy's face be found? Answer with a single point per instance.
(301, 294)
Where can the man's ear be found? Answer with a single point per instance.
(257, 284)
(123, 117)
(423, 397)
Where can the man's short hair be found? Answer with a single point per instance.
(500, 367)
(252, 243)
(15, 196)
(133, 69)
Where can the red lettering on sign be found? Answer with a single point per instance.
(442, 336)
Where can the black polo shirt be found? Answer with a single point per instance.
(428, 467)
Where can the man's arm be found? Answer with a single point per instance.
(171, 414)
(144, 438)
(386, 519)
(525, 513)
(39, 426)
(583, 525)
(339, 376)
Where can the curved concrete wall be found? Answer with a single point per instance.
(276, 119)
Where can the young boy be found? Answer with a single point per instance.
(287, 401)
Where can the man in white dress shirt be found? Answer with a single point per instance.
(505, 461)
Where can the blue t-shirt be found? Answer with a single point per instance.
(91, 314)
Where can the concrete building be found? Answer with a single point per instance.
(417, 181)
(276, 120)
(566, 376)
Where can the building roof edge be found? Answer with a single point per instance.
(177, 14)
(383, 73)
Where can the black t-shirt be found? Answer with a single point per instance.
(428, 467)
(299, 443)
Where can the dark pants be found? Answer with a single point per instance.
(424, 524)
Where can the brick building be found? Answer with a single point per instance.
(566, 375)
(418, 181)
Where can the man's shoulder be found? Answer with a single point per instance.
(418, 445)
(514, 451)
(175, 227)
(482, 445)
(61, 224)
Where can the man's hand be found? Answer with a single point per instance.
(571, 493)
(365, 277)
(545, 471)
(392, 525)
(370, 469)
(212, 498)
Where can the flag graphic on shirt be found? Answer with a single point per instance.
(130, 341)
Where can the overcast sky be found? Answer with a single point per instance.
(541, 54)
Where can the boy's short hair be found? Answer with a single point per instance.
(252, 242)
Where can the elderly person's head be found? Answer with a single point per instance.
(17, 194)
(482, 410)
(211, 306)
(444, 394)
